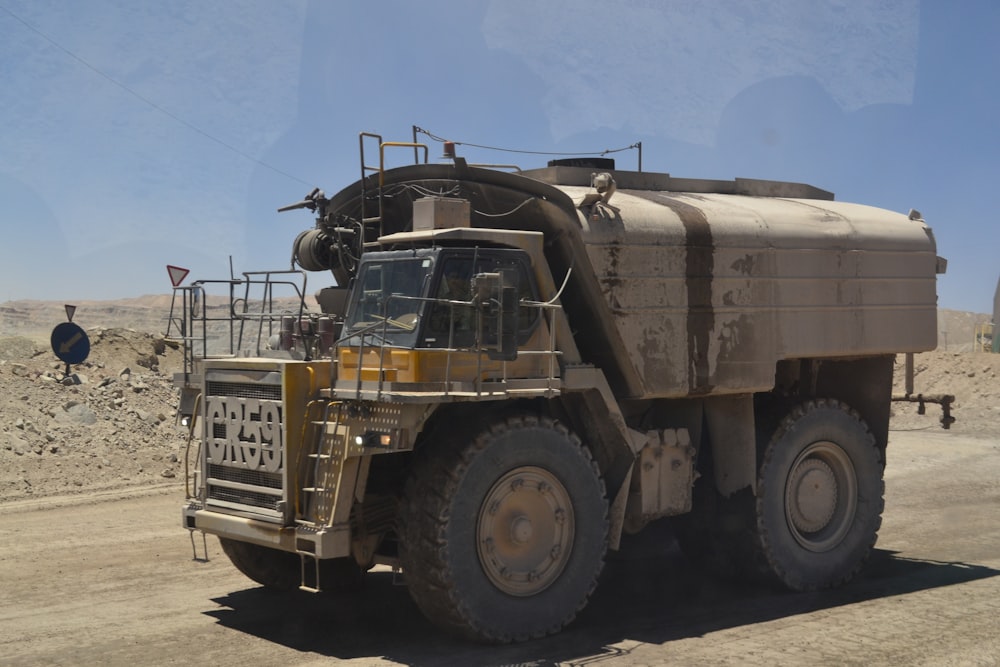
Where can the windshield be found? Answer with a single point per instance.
(387, 305)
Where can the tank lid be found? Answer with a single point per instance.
(588, 162)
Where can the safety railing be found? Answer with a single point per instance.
(263, 313)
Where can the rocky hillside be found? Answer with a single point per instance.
(108, 424)
(35, 319)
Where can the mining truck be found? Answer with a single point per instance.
(511, 370)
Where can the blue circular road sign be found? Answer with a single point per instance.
(70, 343)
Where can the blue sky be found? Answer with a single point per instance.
(139, 134)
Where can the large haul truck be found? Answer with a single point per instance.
(514, 369)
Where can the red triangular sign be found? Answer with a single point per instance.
(177, 274)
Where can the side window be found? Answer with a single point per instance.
(455, 284)
(456, 280)
(526, 317)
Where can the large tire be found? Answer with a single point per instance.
(819, 497)
(282, 570)
(503, 537)
(271, 568)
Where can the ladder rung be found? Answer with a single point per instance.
(313, 489)
(338, 428)
(303, 583)
(306, 523)
(320, 456)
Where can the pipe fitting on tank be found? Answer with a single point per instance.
(604, 183)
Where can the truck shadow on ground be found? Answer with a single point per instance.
(647, 595)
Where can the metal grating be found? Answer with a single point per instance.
(270, 480)
(380, 416)
(251, 499)
(271, 392)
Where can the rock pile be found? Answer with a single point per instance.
(108, 423)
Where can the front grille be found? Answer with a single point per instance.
(250, 499)
(244, 447)
(271, 480)
(271, 392)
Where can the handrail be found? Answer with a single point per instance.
(382, 145)
(397, 144)
(267, 300)
(187, 450)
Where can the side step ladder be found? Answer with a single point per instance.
(310, 581)
(316, 510)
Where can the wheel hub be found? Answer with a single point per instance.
(821, 496)
(520, 530)
(814, 496)
(525, 531)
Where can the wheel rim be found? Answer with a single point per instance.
(525, 531)
(821, 496)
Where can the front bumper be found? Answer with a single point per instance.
(333, 542)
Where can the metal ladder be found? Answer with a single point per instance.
(375, 221)
(319, 495)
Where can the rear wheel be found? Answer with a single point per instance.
(816, 512)
(819, 496)
(503, 537)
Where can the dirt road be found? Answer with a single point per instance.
(102, 580)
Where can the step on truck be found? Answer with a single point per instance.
(512, 369)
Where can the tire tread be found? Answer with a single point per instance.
(766, 565)
(425, 514)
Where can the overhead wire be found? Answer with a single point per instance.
(149, 102)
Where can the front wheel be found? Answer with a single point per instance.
(503, 537)
(282, 570)
(819, 496)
